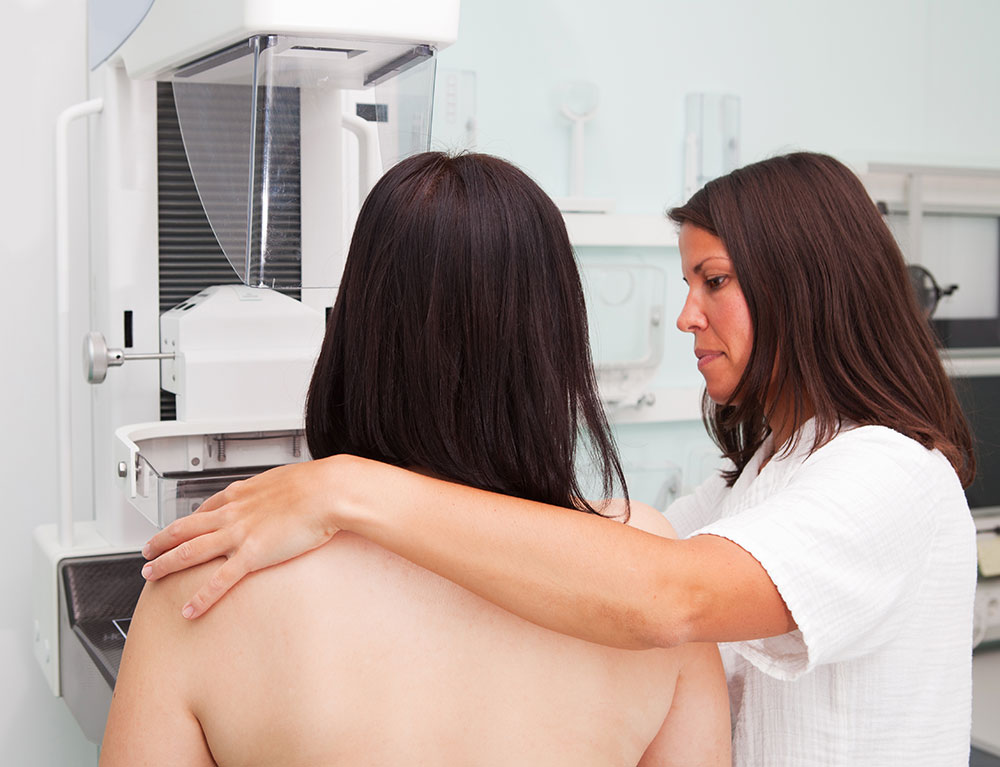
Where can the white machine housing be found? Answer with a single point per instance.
(177, 32)
(243, 356)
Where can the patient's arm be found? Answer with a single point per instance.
(696, 732)
(151, 722)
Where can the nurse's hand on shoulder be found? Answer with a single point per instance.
(255, 523)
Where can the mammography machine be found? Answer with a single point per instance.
(230, 146)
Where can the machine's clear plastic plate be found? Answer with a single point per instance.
(276, 121)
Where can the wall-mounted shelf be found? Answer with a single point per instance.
(668, 405)
(611, 229)
(937, 189)
(961, 363)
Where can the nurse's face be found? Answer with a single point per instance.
(715, 312)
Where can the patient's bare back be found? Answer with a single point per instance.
(351, 655)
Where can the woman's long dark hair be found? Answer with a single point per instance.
(836, 324)
(458, 342)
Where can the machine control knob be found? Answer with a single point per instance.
(97, 357)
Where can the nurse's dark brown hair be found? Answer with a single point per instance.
(458, 341)
(834, 316)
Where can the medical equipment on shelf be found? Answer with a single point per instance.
(926, 289)
(978, 387)
(230, 142)
(711, 138)
(626, 316)
(578, 101)
(986, 615)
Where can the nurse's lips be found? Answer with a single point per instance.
(705, 356)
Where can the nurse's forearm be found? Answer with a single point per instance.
(545, 564)
(574, 573)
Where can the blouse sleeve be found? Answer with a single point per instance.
(846, 541)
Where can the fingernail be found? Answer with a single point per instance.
(188, 611)
(147, 571)
(145, 551)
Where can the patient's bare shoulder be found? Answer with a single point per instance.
(162, 599)
(642, 516)
(161, 602)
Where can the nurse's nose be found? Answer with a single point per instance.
(691, 318)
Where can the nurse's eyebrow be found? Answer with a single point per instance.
(698, 268)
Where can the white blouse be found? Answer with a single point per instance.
(871, 545)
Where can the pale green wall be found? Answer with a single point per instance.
(899, 80)
(865, 80)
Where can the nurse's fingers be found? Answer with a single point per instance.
(228, 575)
(221, 498)
(203, 548)
(179, 531)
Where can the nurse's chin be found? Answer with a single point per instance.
(721, 397)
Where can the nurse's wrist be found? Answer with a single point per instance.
(347, 484)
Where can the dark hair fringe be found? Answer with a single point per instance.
(458, 342)
(831, 302)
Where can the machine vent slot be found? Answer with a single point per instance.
(190, 258)
(127, 322)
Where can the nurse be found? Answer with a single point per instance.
(834, 555)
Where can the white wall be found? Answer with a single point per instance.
(915, 80)
(45, 73)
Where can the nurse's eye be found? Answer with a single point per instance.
(714, 283)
